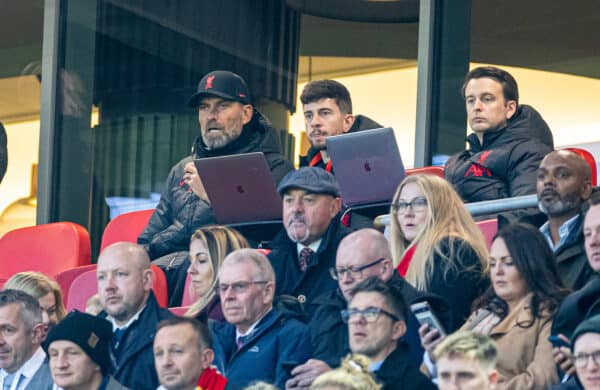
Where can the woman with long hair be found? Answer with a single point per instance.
(518, 309)
(45, 290)
(208, 247)
(436, 244)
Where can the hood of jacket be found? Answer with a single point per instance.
(525, 125)
(258, 134)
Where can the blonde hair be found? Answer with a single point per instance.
(353, 374)
(38, 285)
(219, 241)
(448, 218)
(469, 345)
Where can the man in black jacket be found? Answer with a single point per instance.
(304, 251)
(376, 318)
(360, 255)
(563, 186)
(125, 289)
(229, 124)
(508, 141)
(328, 111)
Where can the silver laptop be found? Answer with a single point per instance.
(367, 166)
(240, 188)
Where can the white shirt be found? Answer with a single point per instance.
(314, 246)
(128, 324)
(24, 374)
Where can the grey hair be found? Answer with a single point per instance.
(31, 312)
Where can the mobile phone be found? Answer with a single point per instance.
(558, 342)
(424, 315)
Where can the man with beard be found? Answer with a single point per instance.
(328, 111)
(563, 185)
(229, 124)
(304, 251)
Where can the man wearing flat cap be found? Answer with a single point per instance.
(304, 251)
(229, 125)
(78, 348)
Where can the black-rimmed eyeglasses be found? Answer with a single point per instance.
(354, 272)
(418, 204)
(370, 314)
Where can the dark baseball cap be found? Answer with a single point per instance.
(221, 83)
(311, 179)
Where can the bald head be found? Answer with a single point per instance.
(124, 280)
(563, 184)
(360, 255)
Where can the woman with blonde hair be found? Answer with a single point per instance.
(436, 244)
(353, 374)
(45, 290)
(208, 247)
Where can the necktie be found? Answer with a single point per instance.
(117, 338)
(241, 341)
(303, 257)
(8, 379)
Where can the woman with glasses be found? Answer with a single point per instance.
(208, 247)
(436, 245)
(518, 309)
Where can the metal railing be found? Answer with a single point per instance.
(486, 207)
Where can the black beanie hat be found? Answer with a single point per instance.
(92, 334)
(590, 325)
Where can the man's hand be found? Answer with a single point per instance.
(192, 179)
(305, 374)
(562, 357)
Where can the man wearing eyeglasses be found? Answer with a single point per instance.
(586, 353)
(362, 254)
(258, 342)
(376, 318)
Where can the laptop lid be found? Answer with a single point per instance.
(367, 166)
(240, 188)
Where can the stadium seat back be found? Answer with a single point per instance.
(589, 158)
(438, 171)
(66, 278)
(188, 298)
(48, 248)
(489, 227)
(126, 227)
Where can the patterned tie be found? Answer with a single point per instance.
(303, 257)
(241, 341)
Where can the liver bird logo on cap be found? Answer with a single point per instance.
(209, 81)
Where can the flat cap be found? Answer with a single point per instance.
(312, 179)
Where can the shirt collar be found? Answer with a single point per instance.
(563, 232)
(30, 367)
(314, 246)
(375, 366)
(238, 334)
(128, 324)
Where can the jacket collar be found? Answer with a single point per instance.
(521, 314)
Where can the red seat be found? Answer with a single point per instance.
(66, 277)
(489, 227)
(126, 227)
(438, 171)
(49, 249)
(86, 284)
(179, 311)
(589, 158)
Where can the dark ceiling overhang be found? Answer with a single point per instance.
(372, 11)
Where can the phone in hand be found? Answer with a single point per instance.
(424, 315)
(558, 342)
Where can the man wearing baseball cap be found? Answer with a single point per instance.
(78, 348)
(304, 251)
(229, 125)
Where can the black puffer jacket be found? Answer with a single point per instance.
(506, 164)
(180, 211)
(361, 123)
